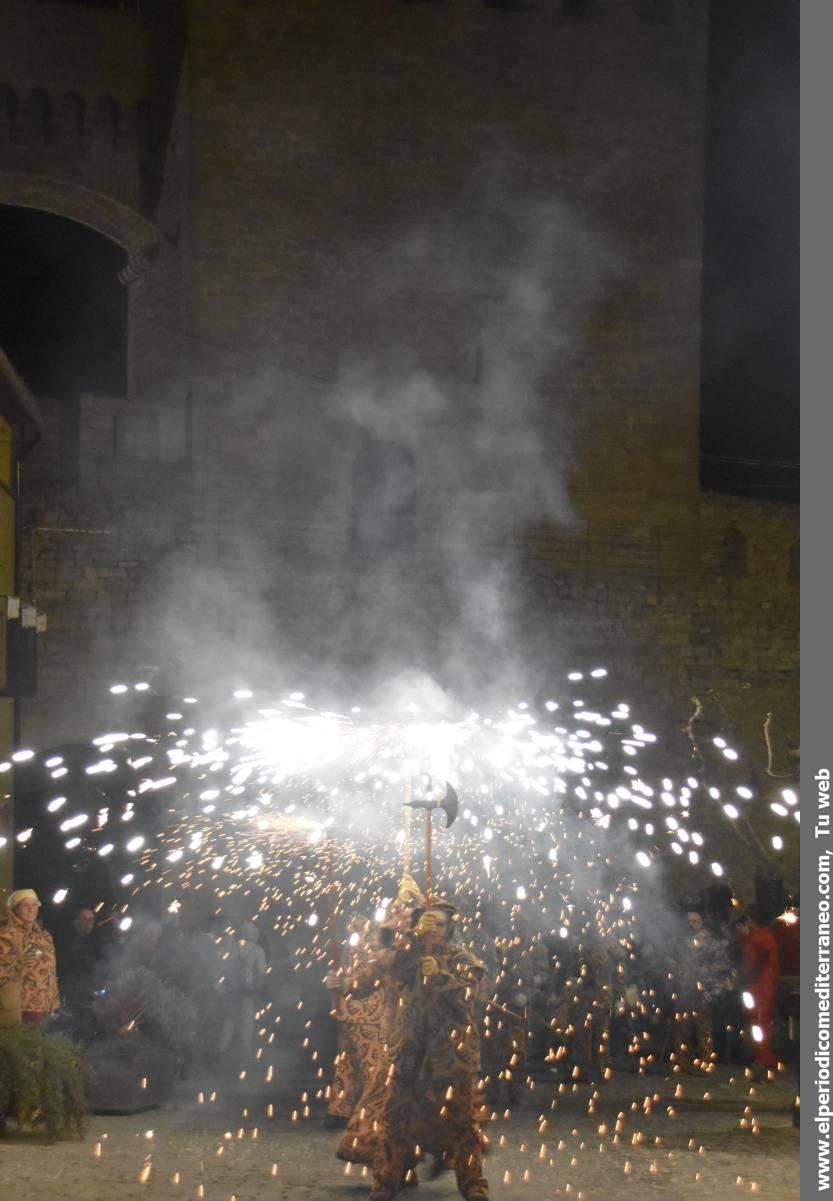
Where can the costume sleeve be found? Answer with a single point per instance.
(465, 974)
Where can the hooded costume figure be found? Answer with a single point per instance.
(28, 977)
(359, 1016)
(362, 1045)
(432, 1055)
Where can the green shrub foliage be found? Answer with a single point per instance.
(42, 1075)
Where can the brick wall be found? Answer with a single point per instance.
(462, 246)
(335, 145)
(132, 566)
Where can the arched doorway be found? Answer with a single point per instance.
(63, 311)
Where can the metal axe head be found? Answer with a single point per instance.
(449, 804)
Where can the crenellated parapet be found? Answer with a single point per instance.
(85, 102)
(93, 142)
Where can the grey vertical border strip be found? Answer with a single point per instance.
(817, 588)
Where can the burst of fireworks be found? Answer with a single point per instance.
(565, 796)
(568, 816)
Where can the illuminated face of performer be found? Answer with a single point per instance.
(442, 926)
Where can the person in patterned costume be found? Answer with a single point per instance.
(28, 977)
(366, 999)
(359, 1015)
(432, 1055)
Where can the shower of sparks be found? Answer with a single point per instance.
(564, 801)
(292, 816)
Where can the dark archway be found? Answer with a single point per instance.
(63, 311)
(86, 206)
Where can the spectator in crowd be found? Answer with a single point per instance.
(243, 986)
(203, 954)
(79, 958)
(787, 931)
(759, 952)
(504, 1036)
(584, 1010)
(144, 944)
(28, 975)
(704, 973)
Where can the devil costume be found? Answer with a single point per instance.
(359, 1013)
(432, 1061)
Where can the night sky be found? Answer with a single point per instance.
(63, 313)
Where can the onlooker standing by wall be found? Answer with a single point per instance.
(245, 979)
(28, 976)
(760, 976)
(787, 931)
(703, 974)
(78, 954)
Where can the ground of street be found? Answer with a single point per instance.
(650, 1138)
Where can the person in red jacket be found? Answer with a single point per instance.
(759, 952)
(787, 931)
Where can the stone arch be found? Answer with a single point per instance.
(71, 119)
(37, 117)
(138, 236)
(9, 104)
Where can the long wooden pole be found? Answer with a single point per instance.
(332, 943)
(407, 847)
(429, 867)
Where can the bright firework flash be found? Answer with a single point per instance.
(569, 828)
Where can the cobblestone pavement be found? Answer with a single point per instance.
(642, 1141)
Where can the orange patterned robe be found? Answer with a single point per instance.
(26, 986)
(360, 1053)
(432, 1060)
